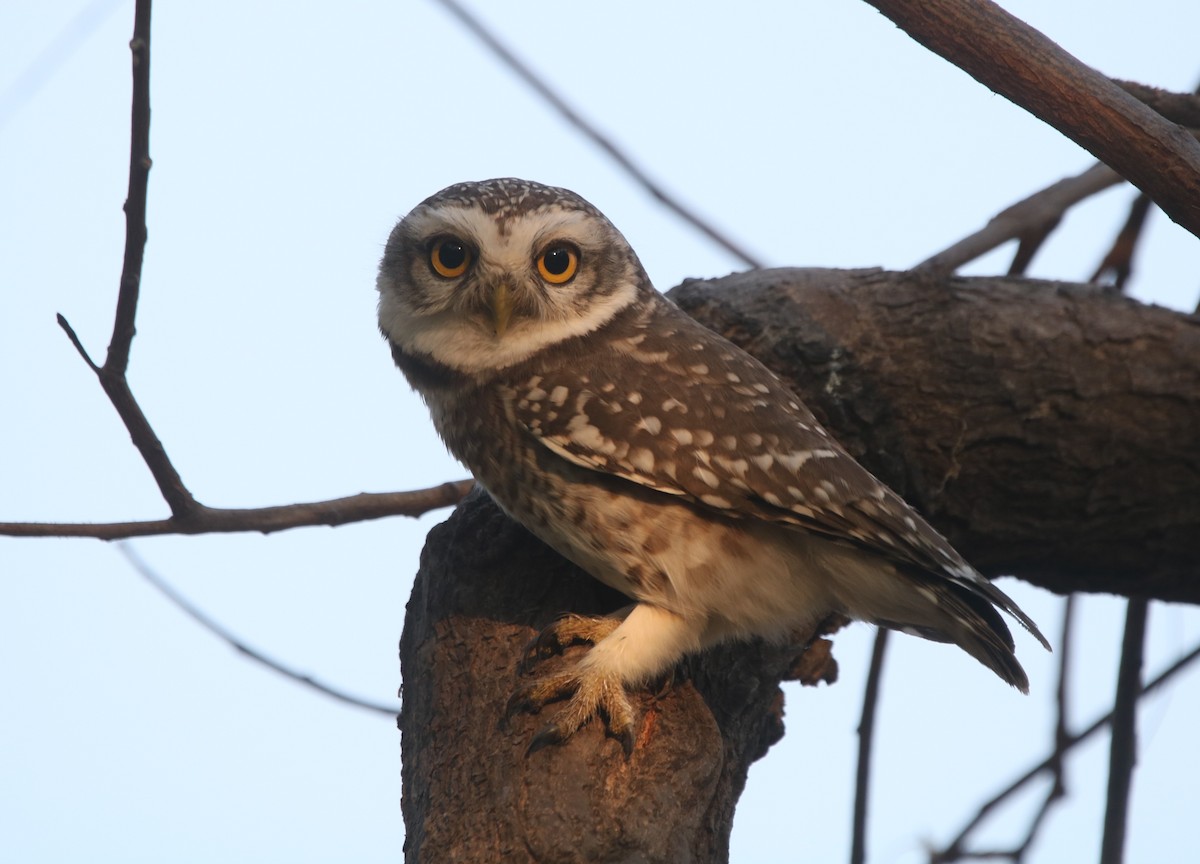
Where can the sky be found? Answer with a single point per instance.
(287, 140)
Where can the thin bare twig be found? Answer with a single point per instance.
(210, 520)
(1123, 750)
(1038, 213)
(1118, 261)
(1016, 854)
(1047, 764)
(589, 131)
(1020, 63)
(866, 733)
(1030, 242)
(147, 573)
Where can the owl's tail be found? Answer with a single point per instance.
(943, 610)
(971, 622)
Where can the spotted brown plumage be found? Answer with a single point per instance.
(650, 451)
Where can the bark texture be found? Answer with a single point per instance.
(1050, 430)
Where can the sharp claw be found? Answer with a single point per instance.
(517, 703)
(626, 739)
(588, 691)
(547, 735)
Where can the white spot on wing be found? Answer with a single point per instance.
(651, 424)
(642, 459)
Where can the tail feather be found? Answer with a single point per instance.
(974, 625)
(954, 612)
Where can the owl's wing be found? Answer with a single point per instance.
(678, 409)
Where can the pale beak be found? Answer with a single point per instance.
(502, 307)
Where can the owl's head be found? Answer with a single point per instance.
(483, 275)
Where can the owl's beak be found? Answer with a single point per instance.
(502, 307)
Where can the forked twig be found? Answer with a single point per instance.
(188, 516)
(1047, 764)
(1035, 215)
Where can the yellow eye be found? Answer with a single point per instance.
(449, 257)
(558, 264)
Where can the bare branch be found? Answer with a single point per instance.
(955, 852)
(597, 137)
(866, 732)
(1015, 60)
(1118, 261)
(1123, 751)
(241, 647)
(1073, 741)
(214, 520)
(1031, 241)
(1037, 214)
(1181, 108)
(135, 202)
(112, 374)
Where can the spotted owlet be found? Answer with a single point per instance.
(653, 453)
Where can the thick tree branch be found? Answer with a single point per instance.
(1048, 429)
(1017, 61)
(484, 589)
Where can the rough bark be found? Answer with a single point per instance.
(1052, 431)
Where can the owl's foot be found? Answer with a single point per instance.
(628, 650)
(588, 691)
(569, 630)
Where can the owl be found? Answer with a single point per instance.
(651, 452)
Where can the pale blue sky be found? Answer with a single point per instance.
(287, 139)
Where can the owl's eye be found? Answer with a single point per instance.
(449, 257)
(558, 264)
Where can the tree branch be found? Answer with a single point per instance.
(1123, 750)
(225, 635)
(1073, 741)
(589, 131)
(866, 733)
(1029, 218)
(1118, 261)
(1062, 742)
(1015, 60)
(1047, 429)
(266, 520)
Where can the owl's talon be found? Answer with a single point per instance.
(547, 735)
(562, 634)
(588, 693)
